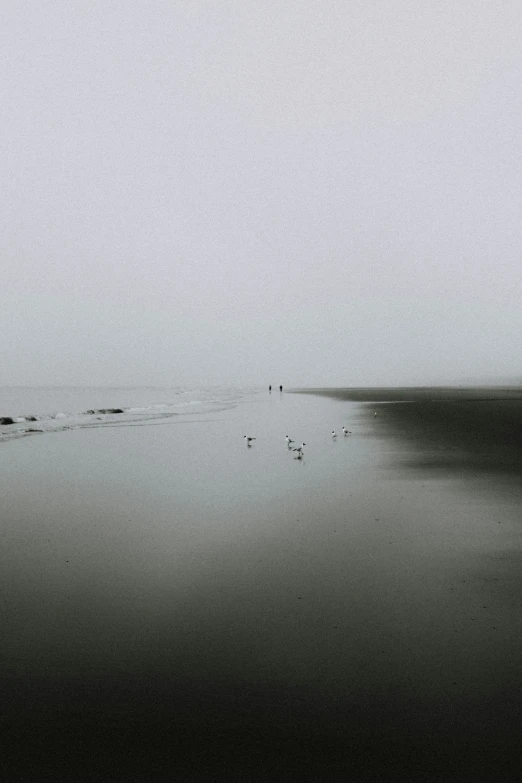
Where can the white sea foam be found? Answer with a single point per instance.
(127, 406)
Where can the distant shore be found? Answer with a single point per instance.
(415, 393)
(465, 428)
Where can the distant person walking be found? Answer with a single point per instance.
(280, 388)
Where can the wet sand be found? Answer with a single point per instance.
(468, 429)
(178, 606)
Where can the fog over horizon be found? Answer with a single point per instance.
(236, 192)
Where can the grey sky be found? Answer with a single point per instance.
(252, 192)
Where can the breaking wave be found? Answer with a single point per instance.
(185, 403)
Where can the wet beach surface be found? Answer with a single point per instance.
(176, 605)
(468, 429)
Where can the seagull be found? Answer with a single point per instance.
(248, 440)
(346, 432)
(299, 450)
(289, 440)
(334, 434)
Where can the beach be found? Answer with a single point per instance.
(177, 605)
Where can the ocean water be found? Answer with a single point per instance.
(29, 411)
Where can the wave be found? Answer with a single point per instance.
(16, 425)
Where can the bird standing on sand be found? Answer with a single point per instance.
(289, 440)
(346, 432)
(299, 449)
(334, 434)
(248, 440)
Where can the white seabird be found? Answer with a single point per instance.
(299, 449)
(346, 432)
(289, 440)
(334, 434)
(248, 440)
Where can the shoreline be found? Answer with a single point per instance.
(424, 394)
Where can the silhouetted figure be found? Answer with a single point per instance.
(280, 388)
(269, 388)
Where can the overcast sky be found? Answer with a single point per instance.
(315, 192)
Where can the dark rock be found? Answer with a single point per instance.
(6, 420)
(91, 412)
(31, 418)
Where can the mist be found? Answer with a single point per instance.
(235, 192)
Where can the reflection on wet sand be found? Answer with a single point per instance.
(472, 429)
